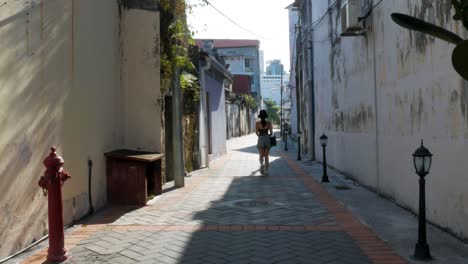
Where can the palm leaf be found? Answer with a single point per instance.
(413, 23)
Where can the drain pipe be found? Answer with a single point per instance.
(90, 169)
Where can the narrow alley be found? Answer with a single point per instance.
(230, 213)
(129, 131)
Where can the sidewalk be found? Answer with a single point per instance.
(229, 213)
(397, 226)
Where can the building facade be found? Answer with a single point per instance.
(242, 57)
(215, 83)
(376, 93)
(83, 76)
(293, 22)
(274, 68)
(262, 62)
(271, 90)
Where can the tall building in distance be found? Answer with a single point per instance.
(271, 87)
(274, 68)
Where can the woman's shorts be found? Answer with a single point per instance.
(263, 142)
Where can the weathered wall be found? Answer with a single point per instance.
(304, 94)
(232, 116)
(379, 94)
(217, 108)
(141, 79)
(238, 119)
(59, 67)
(293, 22)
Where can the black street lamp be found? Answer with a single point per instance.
(285, 140)
(299, 133)
(324, 142)
(422, 159)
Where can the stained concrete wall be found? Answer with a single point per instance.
(240, 120)
(60, 84)
(217, 112)
(59, 69)
(141, 79)
(293, 17)
(378, 95)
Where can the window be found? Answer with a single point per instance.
(248, 65)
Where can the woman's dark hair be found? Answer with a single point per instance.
(263, 116)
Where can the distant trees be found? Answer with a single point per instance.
(273, 111)
(248, 101)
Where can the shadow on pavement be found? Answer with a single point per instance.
(240, 201)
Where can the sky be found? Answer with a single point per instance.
(267, 21)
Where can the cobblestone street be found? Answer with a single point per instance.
(229, 213)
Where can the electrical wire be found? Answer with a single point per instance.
(232, 21)
(315, 24)
(370, 11)
(318, 21)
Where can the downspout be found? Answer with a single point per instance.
(376, 110)
(203, 115)
(90, 170)
(311, 87)
(298, 79)
(312, 101)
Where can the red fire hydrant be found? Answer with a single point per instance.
(51, 184)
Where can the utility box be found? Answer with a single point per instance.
(350, 13)
(133, 176)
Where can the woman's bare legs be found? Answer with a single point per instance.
(266, 152)
(262, 158)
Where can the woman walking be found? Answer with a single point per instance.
(264, 130)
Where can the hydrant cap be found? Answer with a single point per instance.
(53, 161)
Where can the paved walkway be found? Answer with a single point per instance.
(229, 213)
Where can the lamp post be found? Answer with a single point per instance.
(299, 133)
(285, 131)
(324, 142)
(422, 159)
(281, 103)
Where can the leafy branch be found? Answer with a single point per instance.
(248, 101)
(175, 41)
(460, 53)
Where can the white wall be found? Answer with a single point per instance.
(60, 85)
(377, 96)
(236, 64)
(141, 80)
(59, 66)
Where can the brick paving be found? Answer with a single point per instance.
(231, 214)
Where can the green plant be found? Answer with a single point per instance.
(176, 38)
(272, 111)
(176, 56)
(248, 101)
(460, 53)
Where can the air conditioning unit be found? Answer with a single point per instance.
(350, 13)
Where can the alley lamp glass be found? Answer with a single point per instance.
(323, 140)
(422, 159)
